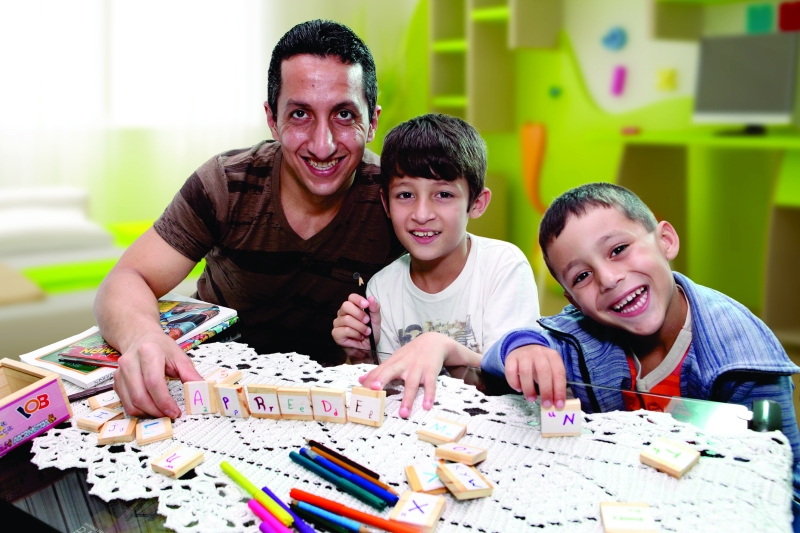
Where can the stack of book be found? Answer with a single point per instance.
(87, 359)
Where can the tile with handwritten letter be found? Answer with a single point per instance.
(463, 481)
(423, 478)
(564, 422)
(627, 518)
(420, 510)
(441, 431)
(148, 431)
(177, 461)
(366, 406)
(671, 457)
(117, 431)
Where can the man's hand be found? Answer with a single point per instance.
(350, 328)
(140, 382)
(419, 363)
(542, 365)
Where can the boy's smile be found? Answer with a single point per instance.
(430, 219)
(618, 273)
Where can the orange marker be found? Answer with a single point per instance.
(341, 510)
(349, 468)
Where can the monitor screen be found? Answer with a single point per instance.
(747, 79)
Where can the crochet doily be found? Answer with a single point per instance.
(741, 483)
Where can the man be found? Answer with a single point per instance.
(286, 227)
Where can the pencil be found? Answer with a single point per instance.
(342, 510)
(353, 470)
(347, 486)
(89, 392)
(342, 458)
(372, 347)
(355, 479)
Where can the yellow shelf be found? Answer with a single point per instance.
(491, 14)
(450, 101)
(450, 46)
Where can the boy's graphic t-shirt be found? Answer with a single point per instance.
(494, 294)
(665, 379)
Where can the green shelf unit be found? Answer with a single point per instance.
(491, 14)
(450, 101)
(450, 46)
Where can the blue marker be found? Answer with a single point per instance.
(347, 523)
(380, 492)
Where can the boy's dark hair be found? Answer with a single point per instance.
(322, 38)
(437, 147)
(577, 201)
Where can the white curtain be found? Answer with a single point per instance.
(126, 98)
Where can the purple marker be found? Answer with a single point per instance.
(618, 80)
(301, 526)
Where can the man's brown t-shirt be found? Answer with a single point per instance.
(286, 289)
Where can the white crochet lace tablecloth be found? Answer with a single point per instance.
(741, 483)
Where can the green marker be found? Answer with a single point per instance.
(259, 495)
(340, 482)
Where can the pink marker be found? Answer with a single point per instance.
(272, 524)
(618, 80)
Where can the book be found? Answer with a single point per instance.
(87, 360)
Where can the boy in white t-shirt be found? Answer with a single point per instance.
(454, 294)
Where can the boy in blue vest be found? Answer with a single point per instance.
(636, 325)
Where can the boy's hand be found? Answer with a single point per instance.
(350, 328)
(419, 363)
(542, 365)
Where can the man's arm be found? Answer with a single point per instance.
(126, 309)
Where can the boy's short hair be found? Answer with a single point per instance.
(322, 38)
(577, 201)
(437, 147)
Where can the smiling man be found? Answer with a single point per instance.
(286, 227)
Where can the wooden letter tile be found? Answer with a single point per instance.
(107, 399)
(367, 406)
(329, 405)
(627, 518)
(564, 422)
(117, 431)
(177, 461)
(465, 482)
(671, 457)
(420, 510)
(262, 400)
(295, 403)
(441, 431)
(423, 478)
(224, 376)
(461, 453)
(199, 398)
(232, 401)
(94, 420)
(148, 431)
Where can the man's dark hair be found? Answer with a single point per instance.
(322, 38)
(576, 202)
(437, 147)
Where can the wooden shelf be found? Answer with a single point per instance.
(491, 14)
(535, 23)
(450, 46)
(490, 73)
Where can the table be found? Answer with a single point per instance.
(740, 484)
